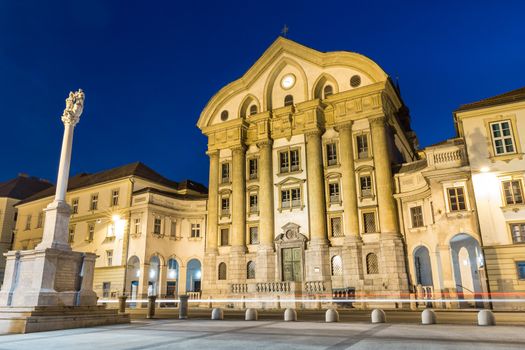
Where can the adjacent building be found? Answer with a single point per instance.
(147, 230)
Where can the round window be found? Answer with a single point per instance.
(355, 80)
(224, 115)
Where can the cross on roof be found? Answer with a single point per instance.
(284, 31)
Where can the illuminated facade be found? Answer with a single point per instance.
(131, 217)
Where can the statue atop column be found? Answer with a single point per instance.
(74, 107)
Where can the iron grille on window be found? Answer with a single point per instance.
(254, 235)
(336, 225)
(417, 216)
(518, 232)
(513, 192)
(337, 266)
(369, 220)
(372, 266)
(250, 270)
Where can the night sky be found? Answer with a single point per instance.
(149, 67)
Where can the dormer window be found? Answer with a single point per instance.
(328, 90)
(288, 100)
(253, 109)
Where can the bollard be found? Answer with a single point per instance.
(251, 315)
(183, 307)
(122, 303)
(332, 315)
(217, 314)
(428, 316)
(290, 315)
(486, 318)
(378, 316)
(151, 306)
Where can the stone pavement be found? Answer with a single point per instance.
(270, 334)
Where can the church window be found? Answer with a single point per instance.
(416, 214)
(253, 109)
(456, 198)
(288, 100)
(362, 146)
(250, 270)
(331, 153)
(337, 266)
(225, 173)
(355, 80)
(518, 232)
(224, 115)
(372, 265)
(225, 235)
(222, 271)
(328, 90)
(513, 192)
(365, 185)
(336, 226)
(369, 222)
(502, 138)
(253, 168)
(254, 235)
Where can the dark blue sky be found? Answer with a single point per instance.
(149, 67)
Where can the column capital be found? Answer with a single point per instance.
(212, 152)
(239, 148)
(344, 126)
(379, 120)
(313, 132)
(264, 143)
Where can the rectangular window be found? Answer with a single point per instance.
(109, 257)
(225, 206)
(369, 222)
(157, 223)
(518, 232)
(296, 197)
(333, 189)
(74, 205)
(520, 266)
(173, 229)
(254, 205)
(362, 146)
(289, 161)
(254, 235)
(285, 199)
(456, 198)
(253, 169)
(40, 220)
(416, 214)
(502, 137)
(114, 197)
(138, 230)
(225, 173)
(91, 232)
(365, 183)
(106, 289)
(225, 235)
(331, 154)
(513, 192)
(195, 230)
(94, 202)
(71, 236)
(336, 227)
(28, 222)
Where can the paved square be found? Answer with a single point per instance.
(207, 334)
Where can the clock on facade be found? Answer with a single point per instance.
(288, 81)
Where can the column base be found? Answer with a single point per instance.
(56, 228)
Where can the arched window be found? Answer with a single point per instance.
(222, 271)
(224, 115)
(372, 267)
(328, 90)
(288, 100)
(337, 266)
(250, 270)
(253, 109)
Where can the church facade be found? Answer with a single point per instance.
(301, 191)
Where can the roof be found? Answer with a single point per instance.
(413, 166)
(192, 185)
(22, 187)
(134, 169)
(508, 97)
(171, 194)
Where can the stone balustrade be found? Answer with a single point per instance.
(238, 288)
(314, 287)
(274, 287)
(194, 295)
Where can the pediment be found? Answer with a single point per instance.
(290, 181)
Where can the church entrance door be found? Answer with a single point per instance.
(292, 262)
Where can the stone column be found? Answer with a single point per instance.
(237, 265)
(316, 190)
(383, 172)
(213, 203)
(265, 263)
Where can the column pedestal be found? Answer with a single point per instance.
(265, 264)
(352, 254)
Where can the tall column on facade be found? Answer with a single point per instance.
(383, 172)
(239, 198)
(351, 222)
(316, 191)
(266, 226)
(57, 213)
(213, 202)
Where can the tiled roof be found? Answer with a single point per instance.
(508, 97)
(22, 187)
(134, 169)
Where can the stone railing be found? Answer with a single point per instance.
(314, 287)
(273, 287)
(239, 288)
(451, 155)
(194, 295)
(447, 157)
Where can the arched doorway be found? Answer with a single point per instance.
(154, 275)
(467, 262)
(132, 277)
(423, 267)
(172, 278)
(193, 276)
